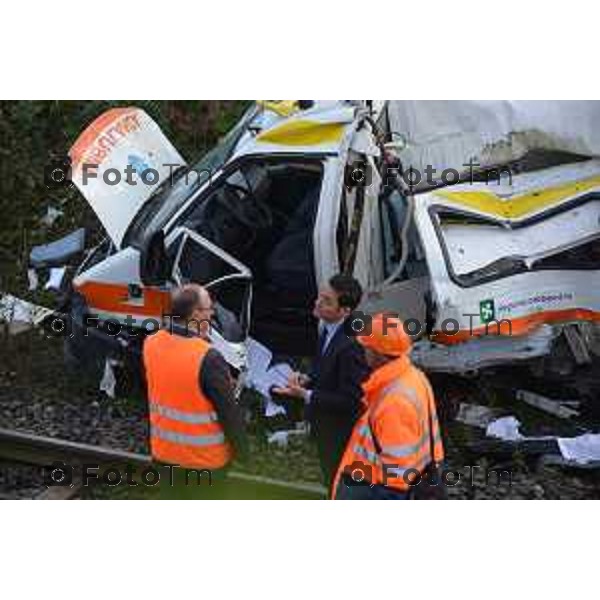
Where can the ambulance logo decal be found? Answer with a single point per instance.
(137, 163)
(487, 311)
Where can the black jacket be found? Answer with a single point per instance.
(335, 403)
(215, 382)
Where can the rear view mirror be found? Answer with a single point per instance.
(155, 269)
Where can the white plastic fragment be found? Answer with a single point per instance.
(52, 214)
(108, 381)
(55, 280)
(505, 428)
(33, 280)
(281, 438)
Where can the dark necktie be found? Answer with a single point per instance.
(322, 340)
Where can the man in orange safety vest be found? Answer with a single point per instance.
(396, 441)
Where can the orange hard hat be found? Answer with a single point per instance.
(387, 337)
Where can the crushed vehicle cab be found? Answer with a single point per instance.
(275, 210)
(511, 265)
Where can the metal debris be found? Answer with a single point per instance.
(483, 352)
(577, 345)
(559, 408)
(475, 415)
(57, 253)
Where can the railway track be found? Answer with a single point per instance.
(41, 451)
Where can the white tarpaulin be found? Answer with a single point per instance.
(120, 139)
(451, 134)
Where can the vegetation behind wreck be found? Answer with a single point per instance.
(33, 133)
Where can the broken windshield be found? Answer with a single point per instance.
(195, 259)
(173, 193)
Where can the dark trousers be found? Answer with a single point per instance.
(367, 492)
(331, 438)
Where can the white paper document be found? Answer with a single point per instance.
(262, 378)
(259, 357)
(507, 429)
(278, 375)
(582, 449)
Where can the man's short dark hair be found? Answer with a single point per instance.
(348, 290)
(184, 303)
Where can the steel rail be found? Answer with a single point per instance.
(43, 451)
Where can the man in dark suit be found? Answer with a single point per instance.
(332, 394)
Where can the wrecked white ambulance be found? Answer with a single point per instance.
(447, 212)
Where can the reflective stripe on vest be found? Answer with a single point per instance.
(403, 462)
(184, 438)
(408, 392)
(397, 451)
(361, 450)
(372, 457)
(196, 418)
(184, 425)
(407, 450)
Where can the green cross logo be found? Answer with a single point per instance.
(487, 311)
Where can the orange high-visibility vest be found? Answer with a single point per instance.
(184, 428)
(391, 439)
